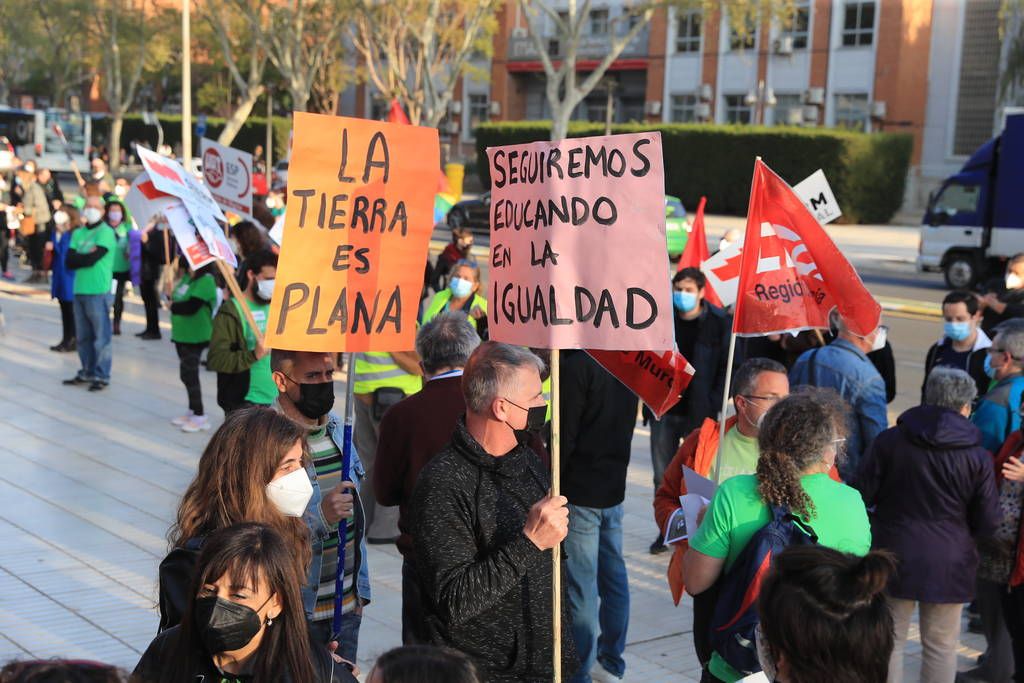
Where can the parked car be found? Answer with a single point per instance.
(677, 228)
(7, 155)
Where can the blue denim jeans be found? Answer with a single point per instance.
(92, 326)
(348, 637)
(598, 588)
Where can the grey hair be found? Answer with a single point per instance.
(1012, 339)
(747, 374)
(949, 388)
(490, 373)
(446, 342)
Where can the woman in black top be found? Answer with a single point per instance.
(245, 620)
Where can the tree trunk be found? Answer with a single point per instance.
(560, 121)
(239, 116)
(114, 144)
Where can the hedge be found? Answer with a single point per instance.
(252, 133)
(867, 172)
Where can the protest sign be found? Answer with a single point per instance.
(722, 271)
(817, 196)
(192, 244)
(578, 244)
(657, 378)
(359, 219)
(227, 173)
(145, 201)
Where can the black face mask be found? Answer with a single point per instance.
(315, 400)
(225, 626)
(536, 417)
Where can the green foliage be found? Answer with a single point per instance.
(253, 132)
(867, 172)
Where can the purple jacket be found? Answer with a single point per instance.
(930, 491)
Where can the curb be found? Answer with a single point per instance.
(913, 307)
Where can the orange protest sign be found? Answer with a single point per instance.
(356, 231)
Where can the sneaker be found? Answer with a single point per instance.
(196, 423)
(59, 347)
(599, 674)
(658, 547)
(180, 421)
(76, 380)
(147, 336)
(97, 385)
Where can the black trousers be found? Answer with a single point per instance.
(67, 318)
(414, 630)
(188, 357)
(122, 280)
(36, 244)
(151, 300)
(1013, 613)
(5, 247)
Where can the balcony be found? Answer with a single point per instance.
(591, 48)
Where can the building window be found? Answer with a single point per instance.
(684, 108)
(599, 22)
(799, 29)
(745, 43)
(737, 110)
(479, 111)
(688, 32)
(858, 24)
(789, 109)
(852, 111)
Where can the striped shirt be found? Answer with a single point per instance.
(327, 462)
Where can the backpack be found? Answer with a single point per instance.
(736, 618)
(177, 572)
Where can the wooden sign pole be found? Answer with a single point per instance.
(556, 555)
(236, 292)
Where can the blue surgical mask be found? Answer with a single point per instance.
(989, 370)
(460, 288)
(684, 301)
(957, 331)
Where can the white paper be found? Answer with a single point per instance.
(693, 503)
(695, 483)
(817, 196)
(759, 677)
(699, 492)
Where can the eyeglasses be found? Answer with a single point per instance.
(769, 399)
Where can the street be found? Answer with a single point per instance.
(90, 483)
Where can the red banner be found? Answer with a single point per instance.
(792, 274)
(658, 378)
(696, 251)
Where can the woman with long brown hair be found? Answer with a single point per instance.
(252, 470)
(243, 619)
(799, 443)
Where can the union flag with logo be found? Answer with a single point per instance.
(791, 272)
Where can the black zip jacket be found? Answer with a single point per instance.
(486, 587)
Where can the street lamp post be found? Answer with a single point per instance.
(186, 83)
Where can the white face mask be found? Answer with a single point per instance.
(60, 218)
(265, 288)
(120, 190)
(291, 493)
(92, 215)
(764, 658)
(880, 338)
(1014, 281)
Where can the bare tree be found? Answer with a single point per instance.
(298, 36)
(131, 37)
(62, 60)
(416, 50)
(565, 88)
(15, 50)
(244, 57)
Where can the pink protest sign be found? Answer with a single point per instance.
(578, 253)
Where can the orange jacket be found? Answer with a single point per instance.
(697, 452)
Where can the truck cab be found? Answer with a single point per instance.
(975, 221)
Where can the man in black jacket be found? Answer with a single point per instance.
(598, 416)
(964, 345)
(484, 523)
(702, 335)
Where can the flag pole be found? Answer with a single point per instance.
(556, 555)
(732, 337)
(346, 469)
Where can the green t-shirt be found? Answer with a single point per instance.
(96, 278)
(737, 512)
(739, 454)
(195, 328)
(262, 389)
(121, 262)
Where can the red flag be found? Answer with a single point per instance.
(396, 114)
(792, 274)
(696, 251)
(657, 378)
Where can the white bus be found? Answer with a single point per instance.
(34, 136)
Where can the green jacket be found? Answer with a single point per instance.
(229, 351)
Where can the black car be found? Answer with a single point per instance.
(472, 213)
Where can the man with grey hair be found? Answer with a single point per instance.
(484, 522)
(931, 487)
(998, 411)
(412, 431)
(845, 367)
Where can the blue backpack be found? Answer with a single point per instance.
(736, 618)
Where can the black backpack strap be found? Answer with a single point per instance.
(782, 513)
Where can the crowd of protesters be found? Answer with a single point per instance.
(841, 525)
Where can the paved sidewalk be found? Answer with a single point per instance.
(90, 482)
